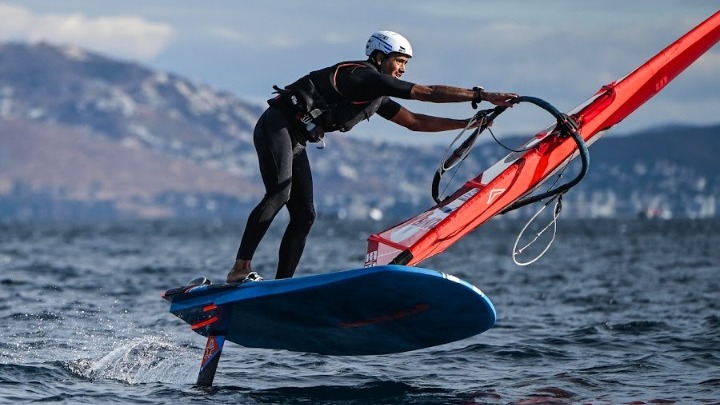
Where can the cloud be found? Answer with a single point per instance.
(279, 40)
(229, 34)
(125, 36)
(255, 40)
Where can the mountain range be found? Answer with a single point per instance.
(88, 137)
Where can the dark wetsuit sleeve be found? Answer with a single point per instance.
(388, 108)
(365, 84)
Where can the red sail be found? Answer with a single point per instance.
(483, 197)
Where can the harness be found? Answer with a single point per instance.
(315, 105)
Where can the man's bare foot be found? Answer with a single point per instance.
(239, 271)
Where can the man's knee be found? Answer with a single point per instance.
(303, 219)
(279, 196)
(311, 217)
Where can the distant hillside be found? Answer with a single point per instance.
(79, 128)
(85, 136)
(672, 171)
(125, 102)
(63, 165)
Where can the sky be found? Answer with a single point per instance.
(559, 50)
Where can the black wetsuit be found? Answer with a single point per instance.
(350, 91)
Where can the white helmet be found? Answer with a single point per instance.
(387, 42)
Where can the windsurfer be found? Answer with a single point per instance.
(333, 99)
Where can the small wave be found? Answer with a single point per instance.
(376, 392)
(637, 327)
(30, 382)
(40, 316)
(470, 349)
(519, 353)
(140, 360)
(52, 288)
(12, 282)
(22, 373)
(712, 322)
(712, 382)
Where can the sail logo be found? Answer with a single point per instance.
(211, 349)
(494, 193)
(662, 83)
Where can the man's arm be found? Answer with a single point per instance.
(444, 94)
(426, 123)
(449, 94)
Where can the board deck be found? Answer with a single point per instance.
(368, 311)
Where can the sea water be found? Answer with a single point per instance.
(617, 311)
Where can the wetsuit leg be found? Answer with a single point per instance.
(274, 147)
(302, 215)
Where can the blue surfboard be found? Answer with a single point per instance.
(368, 311)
